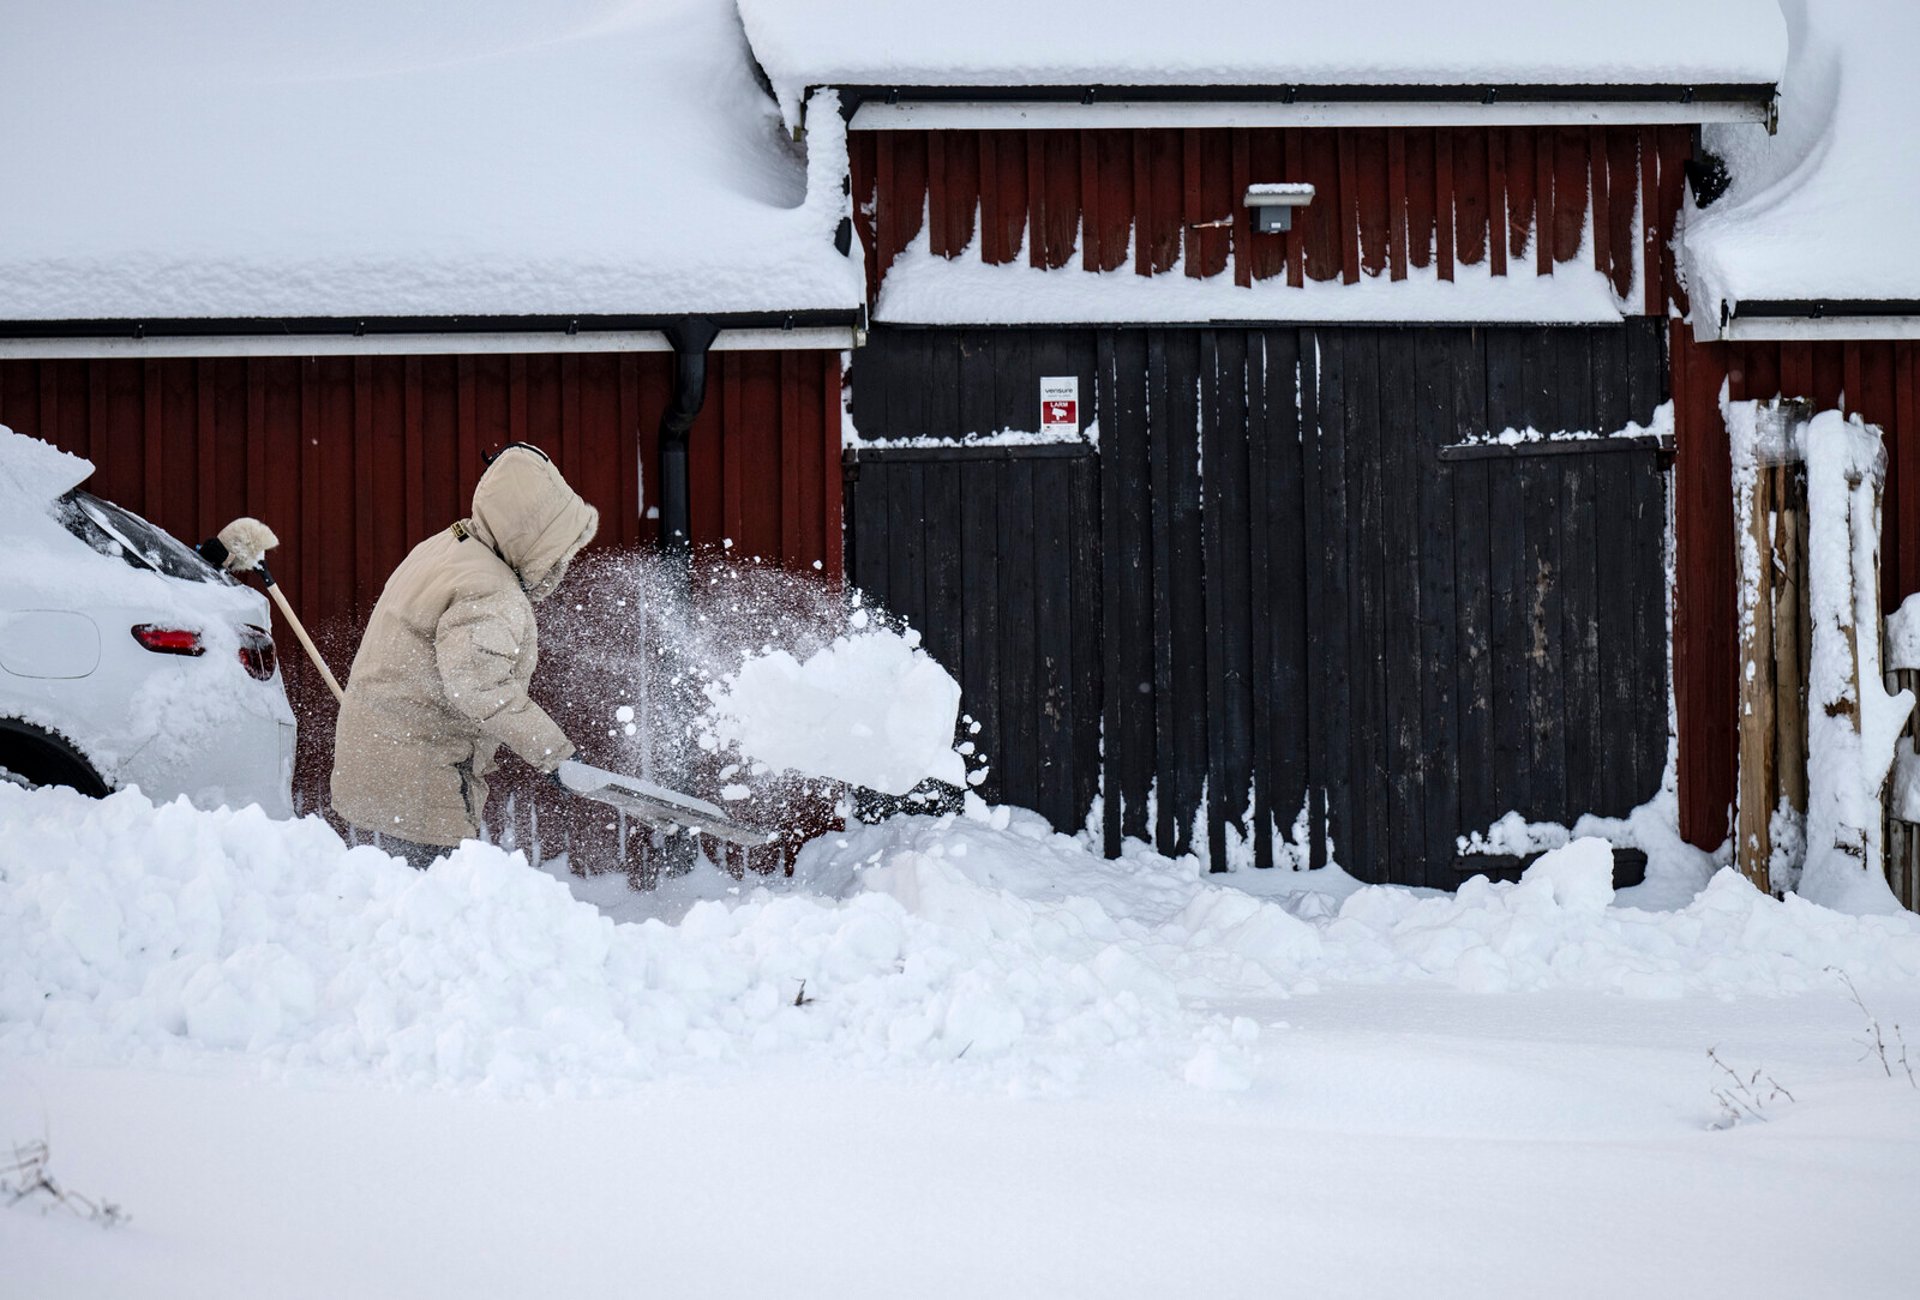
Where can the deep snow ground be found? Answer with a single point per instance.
(1017, 1070)
(1408, 1141)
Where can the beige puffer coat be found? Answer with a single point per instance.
(441, 678)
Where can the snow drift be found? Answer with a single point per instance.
(163, 934)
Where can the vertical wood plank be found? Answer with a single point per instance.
(1497, 224)
(1369, 150)
(1571, 156)
(1520, 189)
(1242, 215)
(1470, 196)
(1397, 202)
(1443, 201)
(1349, 206)
(1420, 196)
(1652, 224)
(1602, 223)
(1623, 203)
(1545, 199)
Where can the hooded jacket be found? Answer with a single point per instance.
(440, 680)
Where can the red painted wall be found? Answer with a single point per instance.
(352, 460)
(1880, 381)
(1386, 199)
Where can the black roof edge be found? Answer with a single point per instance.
(852, 96)
(1819, 308)
(389, 326)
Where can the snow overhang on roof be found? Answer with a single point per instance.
(1816, 235)
(198, 169)
(1257, 63)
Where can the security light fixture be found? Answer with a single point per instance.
(1273, 205)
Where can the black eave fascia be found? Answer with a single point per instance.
(1820, 308)
(852, 96)
(388, 326)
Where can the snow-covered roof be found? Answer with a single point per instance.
(1830, 207)
(804, 43)
(221, 158)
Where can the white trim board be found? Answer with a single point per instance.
(835, 338)
(1788, 329)
(963, 115)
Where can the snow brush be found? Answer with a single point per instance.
(242, 547)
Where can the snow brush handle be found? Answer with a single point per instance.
(306, 642)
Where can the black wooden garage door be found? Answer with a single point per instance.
(1291, 602)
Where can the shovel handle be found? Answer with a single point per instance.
(293, 621)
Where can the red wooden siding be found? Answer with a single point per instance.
(1880, 381)
(1387, 200)
(352, 460)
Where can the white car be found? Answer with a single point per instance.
(125, 658)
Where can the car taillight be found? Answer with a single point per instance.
(256, 653)
(169, 640)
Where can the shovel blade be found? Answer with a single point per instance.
(657, 805)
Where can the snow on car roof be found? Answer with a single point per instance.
(1830, 207)
(33, 473)
(348, 157)
(805, 43)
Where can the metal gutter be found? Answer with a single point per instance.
(1816, 319)
(882, 107)
(416, 335)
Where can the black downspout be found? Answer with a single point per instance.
(691, 337)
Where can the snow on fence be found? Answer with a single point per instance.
(1817, 726)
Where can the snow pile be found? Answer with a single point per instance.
(440, 157)
(34, 473)
(805, 43)
(1829, 207)
(872, 709)
(130, 932)
(1851, 730)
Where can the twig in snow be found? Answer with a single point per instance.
(1743, 1096)
(1873, 1041)
(27, 1176)
(801, 999)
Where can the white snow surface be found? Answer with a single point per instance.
(804, 43)
(871, 709)
(926, 289)
(1851, 733)
(169, 936)
(1829, 207)
(438, 157)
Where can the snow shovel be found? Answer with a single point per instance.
(656, 805)
(242, 547)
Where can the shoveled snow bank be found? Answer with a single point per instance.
(805, 43)
(872, 709)
(130, 932)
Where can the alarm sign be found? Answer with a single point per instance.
(1060, 406)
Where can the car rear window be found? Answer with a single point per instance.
(126, 536)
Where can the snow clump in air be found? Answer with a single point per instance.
(872, 709)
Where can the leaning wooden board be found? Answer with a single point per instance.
(658, 805)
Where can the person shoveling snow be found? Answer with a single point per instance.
(440, 681)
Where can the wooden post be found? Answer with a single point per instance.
(1791, 619)
(1758, 797)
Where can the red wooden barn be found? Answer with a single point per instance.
(1267, 421)
(1356, 543)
